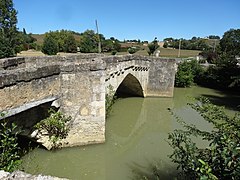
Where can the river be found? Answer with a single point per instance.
(136, 137)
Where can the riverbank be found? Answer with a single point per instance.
(24, 176)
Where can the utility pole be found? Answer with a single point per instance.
(179, 49)
(99, 40)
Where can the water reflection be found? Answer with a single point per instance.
(136, 134)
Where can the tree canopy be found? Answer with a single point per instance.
(8, 29)
(50, 45)
(62, 41)
(230, 43)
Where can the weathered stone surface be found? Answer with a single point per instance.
(24, 92)
(11, 63)
(161, 77)
(80, 83)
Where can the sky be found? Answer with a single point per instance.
(131, 19)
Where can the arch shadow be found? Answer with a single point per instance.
(130, 86)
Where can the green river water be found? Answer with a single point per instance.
(136, 134)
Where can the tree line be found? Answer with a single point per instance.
(195, 43)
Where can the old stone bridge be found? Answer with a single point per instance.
(78, 85)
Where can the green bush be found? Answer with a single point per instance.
(50, 45)
(56, 127)
(188, 73)
(221, 158)
(70, 45)
(9, 149)
(132, 50)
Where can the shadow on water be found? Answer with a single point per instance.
(157, 170)
(229, 100)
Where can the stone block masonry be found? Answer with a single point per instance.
(79, 83)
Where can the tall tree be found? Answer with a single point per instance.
(8, 29)
(230, 43)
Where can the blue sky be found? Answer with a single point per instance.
(131, 19)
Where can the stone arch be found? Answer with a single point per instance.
(130, 86)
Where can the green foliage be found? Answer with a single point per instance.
(210, 56)
(213, 37)
(55, 126)
(230, 43)
(70, 44)
(221, 159)
(89, 42)
(184, 76)
(50, 45)
(110, 99)
(153, 46)
(192, 44)
(188, 73)
(165, 45)
(26, 40)
(61, 41)
(132, 50)
(224, 75)
(9, 150)
(8, 29)
(111, 44)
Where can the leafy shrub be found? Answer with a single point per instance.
(188, 73)
(9, 149)
(50, 45)
(55, 126)
(132, 50)
(225, 75)
(70, 44)
(221, 159)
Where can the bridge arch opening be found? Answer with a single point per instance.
(130, 86)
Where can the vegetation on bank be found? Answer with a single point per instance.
(55, 126)
(223, 74)
(221, 158)
(9, 149)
